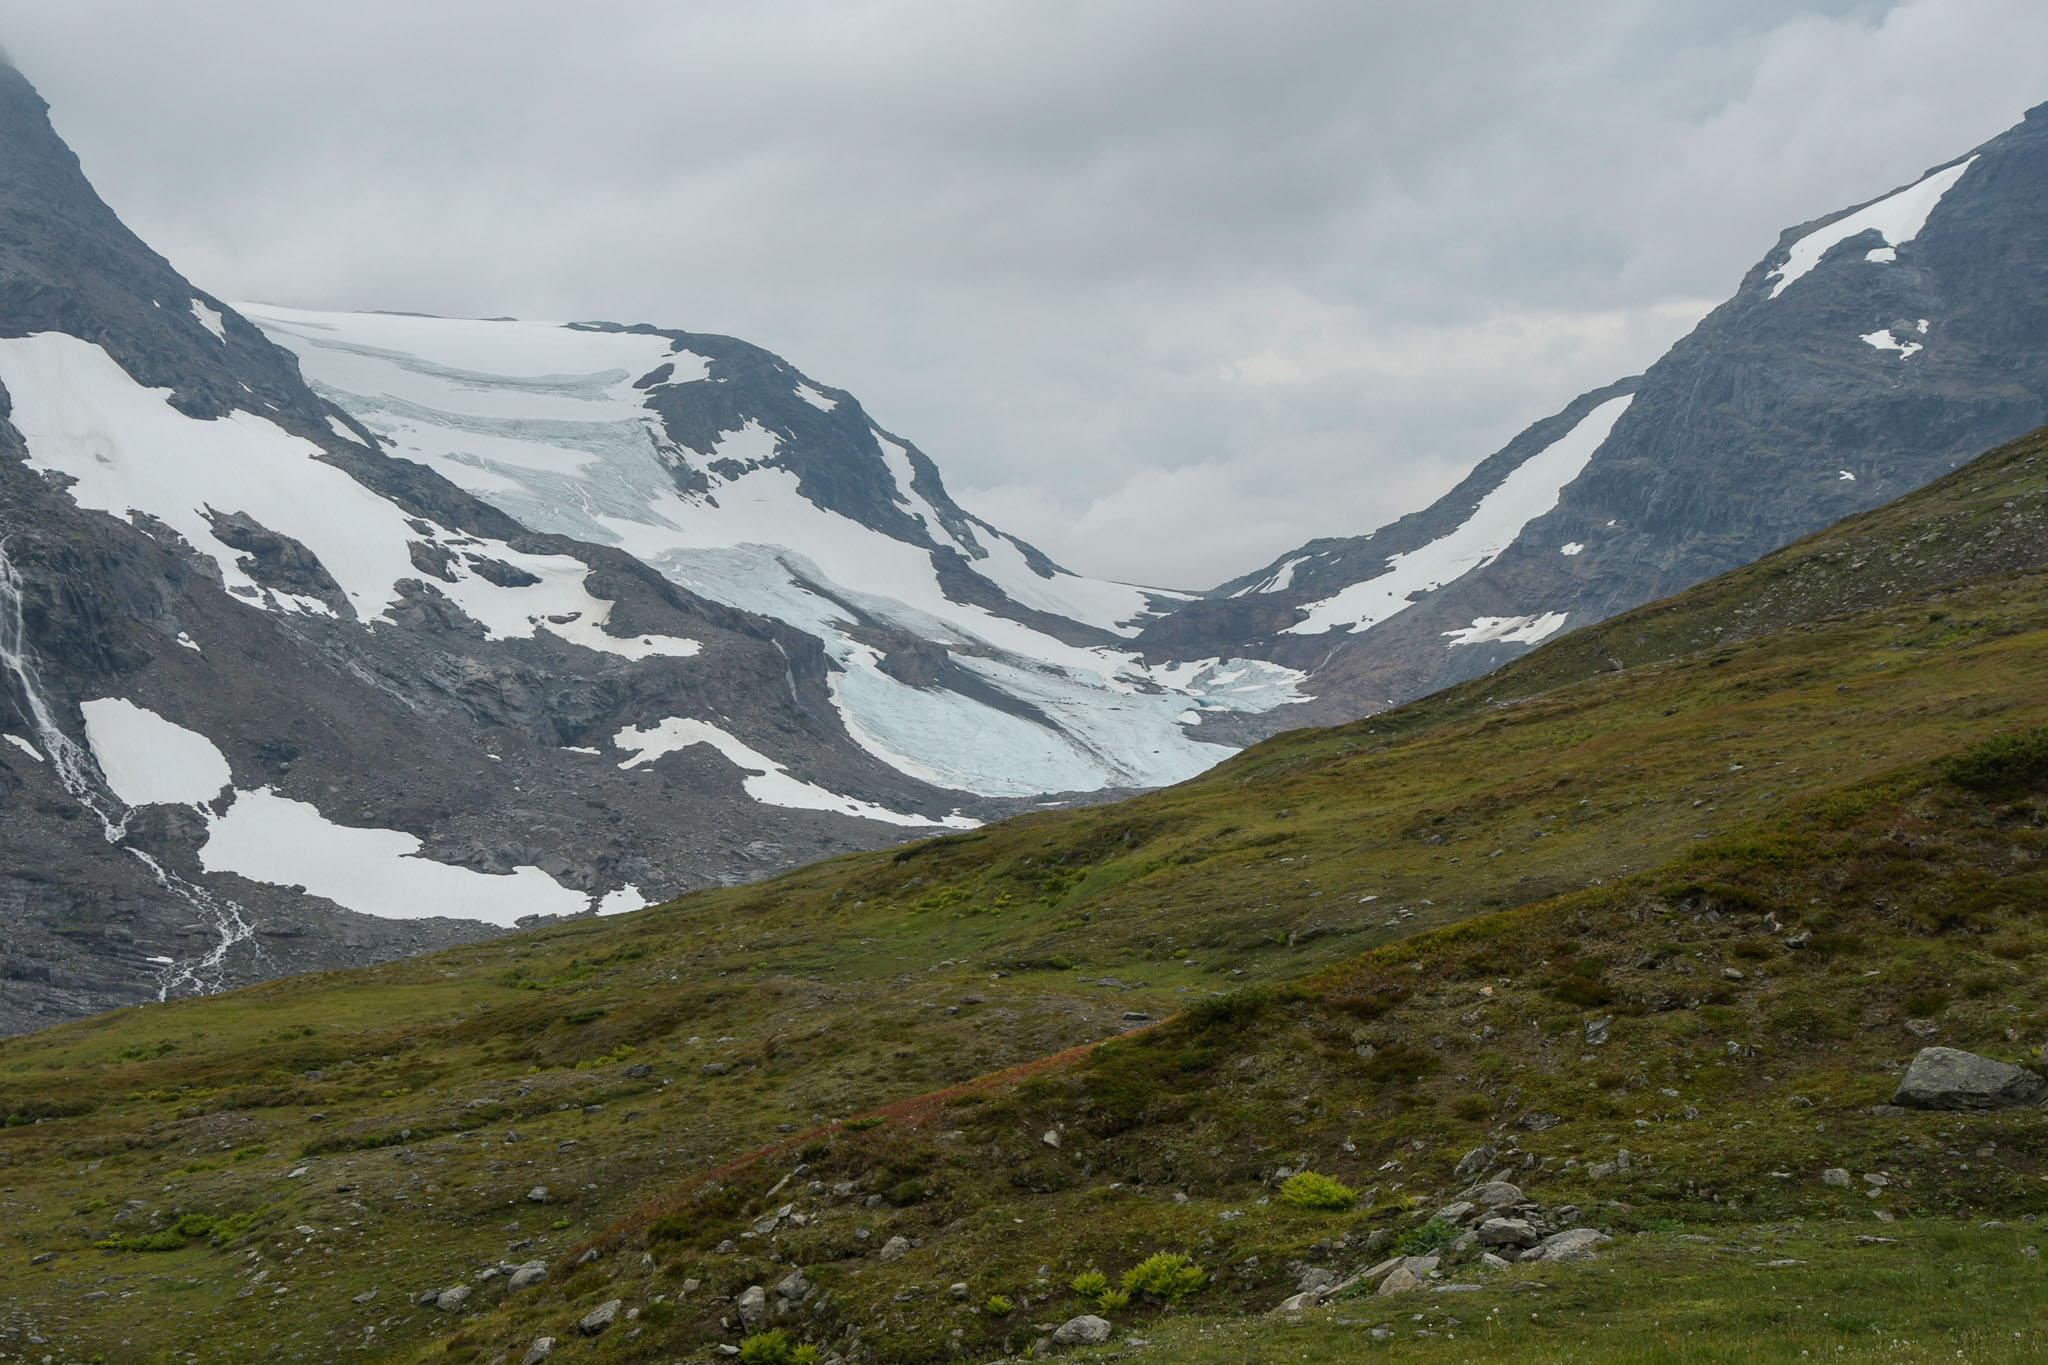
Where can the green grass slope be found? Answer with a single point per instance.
(1598, 828)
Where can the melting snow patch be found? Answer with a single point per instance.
(1845, 476)
(1527, 493)
(1897, 218)
(815, 398)
(31, 750)
(1571, 549)
(1882, 255)
(626, 899)
(1883, 340)
(1515, 630)
(766, 780)
(160, 961)
(189, 643)
(269, 838)
(149, 761)
(210, 320)
(1284, 577)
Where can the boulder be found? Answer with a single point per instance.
(1947, 1078)
(1507, 1232)
(1401, 1280)
(542, 1348)
(1575, 1244)
(753, 1306)
(450, 1300)
(526, 1276)
(796, 1288)
(895, 1249)
(1495, 1194)
(1086, 1330)
(1474, 1161)
(600, 1318)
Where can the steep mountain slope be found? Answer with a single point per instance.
(277, 698)
(1868, 352)
(1554, 825)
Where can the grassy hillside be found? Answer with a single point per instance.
(1596, 829)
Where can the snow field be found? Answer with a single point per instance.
(1897, 217)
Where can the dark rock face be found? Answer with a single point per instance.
(1775, 417)
(418, 722)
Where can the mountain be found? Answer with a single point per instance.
(1655, 943)
(291, 688)
(1868, 352)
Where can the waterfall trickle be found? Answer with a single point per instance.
(80, 776)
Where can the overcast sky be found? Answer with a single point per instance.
(1165, 287)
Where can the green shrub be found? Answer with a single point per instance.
(2002, 763)
(1312, 1191)
(1090, 1284)
(997, 1306)
(1113, 1300)
(1431, 1236)
(1167, 1275)
(774, 1347)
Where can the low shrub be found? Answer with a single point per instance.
(1168, 1275)
(1309, 1190)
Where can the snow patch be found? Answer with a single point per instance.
(625, 900)
(211, 320)
(815, 398)
(1571, 548)
(31, 750)
(189, 643)
(270, 838)
(1514, 630)
(1283, 578)
(1883, 340)
(1844, 476)
(1897, 218)
(1527, 493)
(1881, 255)
(766, 780)
(149, 761)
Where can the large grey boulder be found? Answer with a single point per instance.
(1086, 1330)
(1948, 1078)
(600, 1318)
(753, 1306)
(1574, 1245)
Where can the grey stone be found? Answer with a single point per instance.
(1474, 1161)
(1835, 1175)
(1495, 1194)
(1596, 1030)
(367, 1296)
(1507, 1232)
(1575, 1244)
(542, 1348)
(451, 1299)
(753, 1305)
(895, 1249)
(1086, 1330)
(1946, 1078)
(1400, 1279)
(794, 1287)
(526, 1276)
(537, 1195)
(600, 1318)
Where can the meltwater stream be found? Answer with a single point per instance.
(81, 777)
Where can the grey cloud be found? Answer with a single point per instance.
(1166, 287)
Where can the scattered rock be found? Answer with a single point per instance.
(1921, 1028)
(895, 1249)
(450, 1300)
(717, 1068)
(542, 1348)
(1401, 1278)
(367, 1296)
(526, 1276)
(1575, 1244)
(1051, 1138)
(1457, 1212)
(753, 1306)
(1946, 1078)
(1475, 1161)
(537, 1195)
(600, 1318)
(1086, 1330)
(1835, 1175)
(1494, 1194)
(1489, 1261)
(796, 1288)
(1596, 1030)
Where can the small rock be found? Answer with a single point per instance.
(958, 1289)
(1489, 1261)
(526, 1276)
(1474, 1161)
(367, 1296)
(1945, 1078)
(600, 1318)
(537, 1195)
(895, 1249)
(1596, 1030)
(1922, 1028)
(794, 1287)
(1835, 1175)
(753, 1305)
(1051, 1138)
(639, 1069)
(451, 1299)
(1731, 974)
(1495, 1194)
(542, 1348)
(717, 1068)
(1456, 1213)
(1086, 1330)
